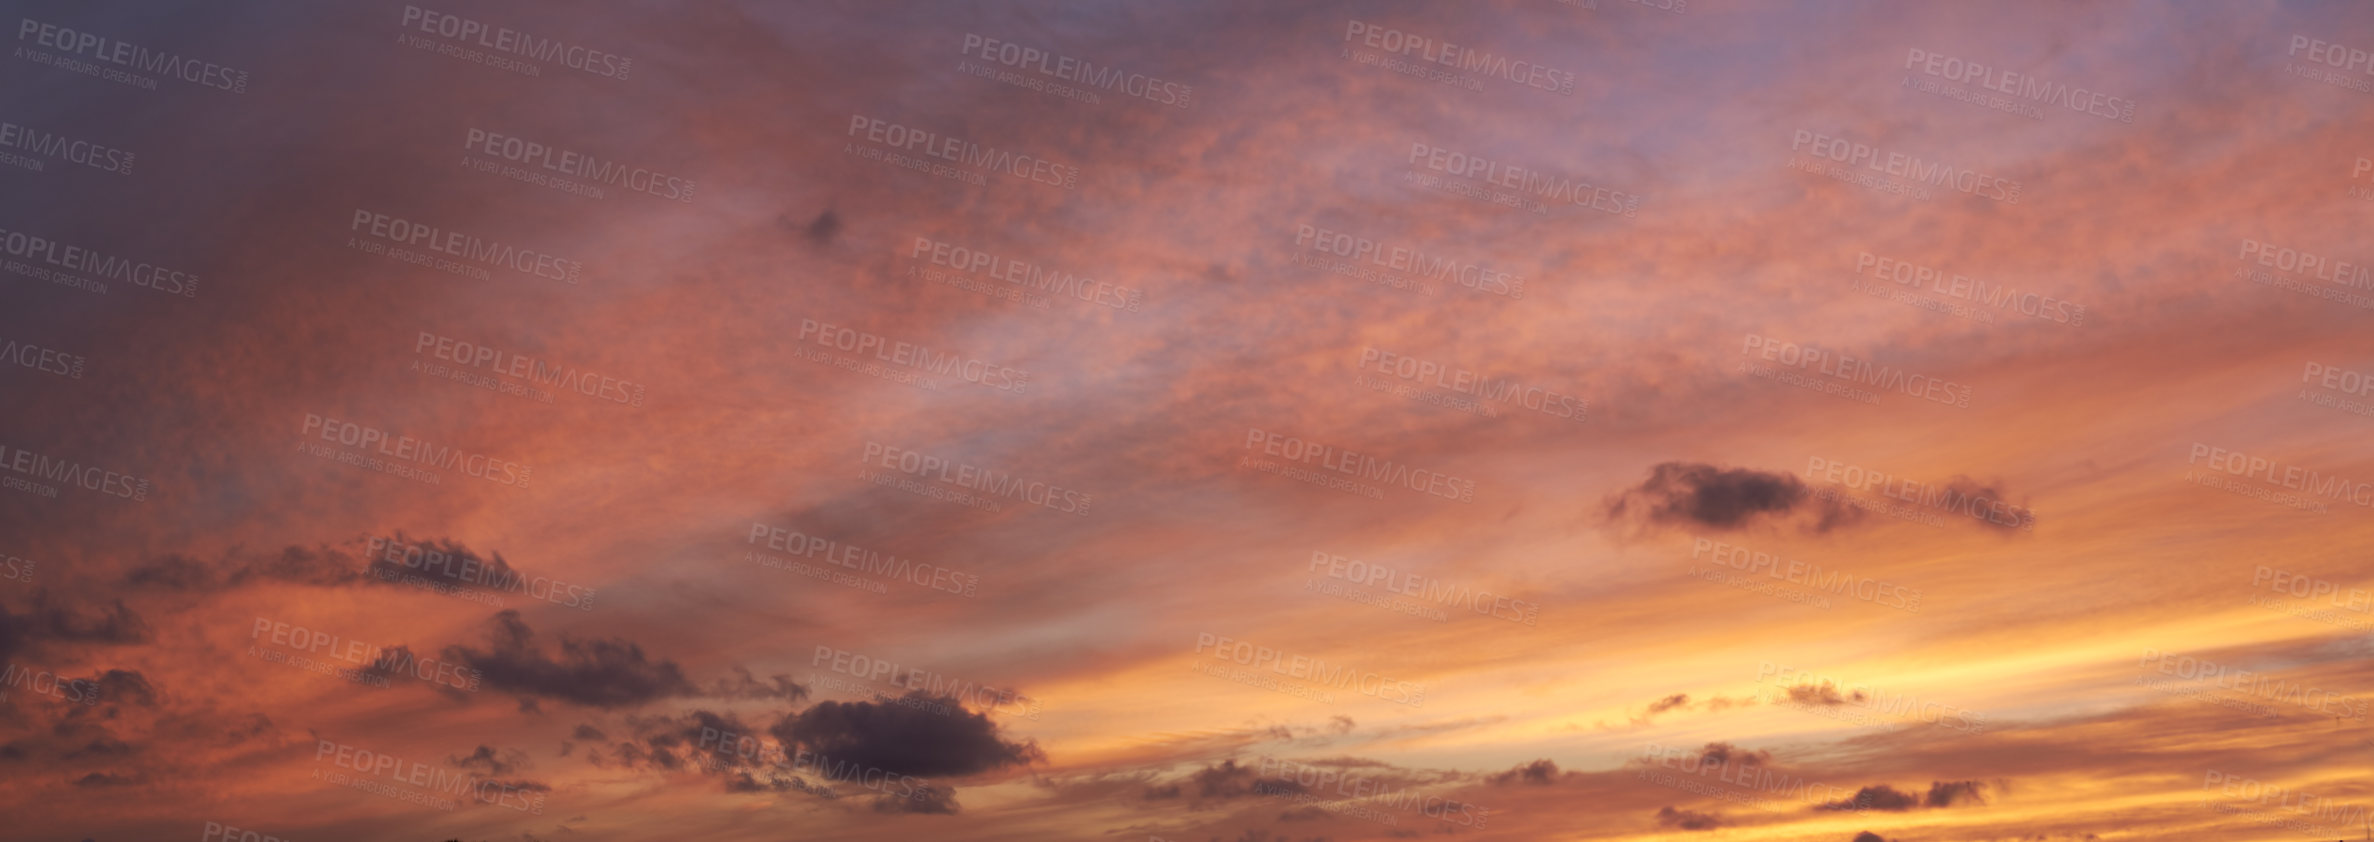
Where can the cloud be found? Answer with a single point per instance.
(1541, 771)
(1668, 703)
(1879, 797)
(1884, 797)
(1985, 504)
(822, 230)
(46, 621)
(1723, 753)
(603, 673)
(1945, 793)
(1688, 820)
(1701, 495)
(925, 800)
(745, 686)
(1227, 780)
(487, 760)
(917, 734)
(1824, 694)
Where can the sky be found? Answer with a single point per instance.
(1234, 421)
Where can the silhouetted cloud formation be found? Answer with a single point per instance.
(604, 673)
(918, 734)
(1713, 497)
(1688, 820)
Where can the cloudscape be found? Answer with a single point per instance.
(1176, 421)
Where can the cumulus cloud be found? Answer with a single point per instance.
(1699, 495)
(917, 734)
(602, 673)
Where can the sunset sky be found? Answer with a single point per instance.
(1235, 421)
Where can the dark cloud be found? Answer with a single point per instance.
(1947, 793)
(822, 230)
(1688, 820)
(1868, 836)
(46, 621)
(1824, 694)
(1537, 772)
(1697, 494)
(1879, 797)
(601, 673)
(492, 763)
(380, 561)
(123, 687)
(746, 686)
(109, 779)
(1668, 703)
(1985, 503)
(316, 566)
(917, 734)
(925, 800)
(1723, 753)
